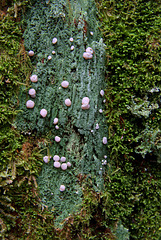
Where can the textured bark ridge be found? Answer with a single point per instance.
(81, 142)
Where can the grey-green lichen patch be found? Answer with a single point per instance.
(81, 143)
(62, 204)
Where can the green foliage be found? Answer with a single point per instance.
(132, 185)
(150, 142)
(132, 36)
(133, 195)
(19, 157)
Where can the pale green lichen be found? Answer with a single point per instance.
(80, 142)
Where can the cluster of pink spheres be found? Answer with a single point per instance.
(88, 54)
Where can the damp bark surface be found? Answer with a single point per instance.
(81, 139)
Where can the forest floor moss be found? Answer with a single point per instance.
(131, 31)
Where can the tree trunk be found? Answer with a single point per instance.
(83, 132)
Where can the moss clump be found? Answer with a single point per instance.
(17, 154)
(132, 184)
(132, 36)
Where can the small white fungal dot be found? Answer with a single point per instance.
(104, 140)
(102, 93)
(57, 164)
(53, 52)
(32, 92)
(72, 48)
(63, 159)
(55, 121)
(49, 57)
(65, 84)
(100, 111)
(91, 33)
(56, 158)
(57, 139)
(68, 102)
(43, 112)
(89, 50)
(69, 164)
(62, 188)
(85, 101)
(31, 53)
(30, 104)
(64, 166)
(97, 126)
(54, 41)
(46, 159)
(57, 127)
(87, 55)
(33, 78)
(71, 39)
(85, 106)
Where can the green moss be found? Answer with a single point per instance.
(132, 36)
(16, 152)
(132, 183)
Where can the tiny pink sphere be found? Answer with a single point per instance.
(100, 111)
(33, 78)
(63, 159)
(64, 166)
(89, 50)
(65, 84)
(56, 158)
(72, 48)
(57, 139)
(71, 39)
(53, 52)
(97, 126)
(69, 164)
(31, 53)
(85, 101)
(49, 57)
(54, 41)
(102, 93)
(104, 140)
(62, 188)
(87, 55)
(85, 106)
(68, 102)
(30, 104)
(32, 92)
(46, 159)
(57, 164)
(55, 121)
(43, 112)
(57, 127)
